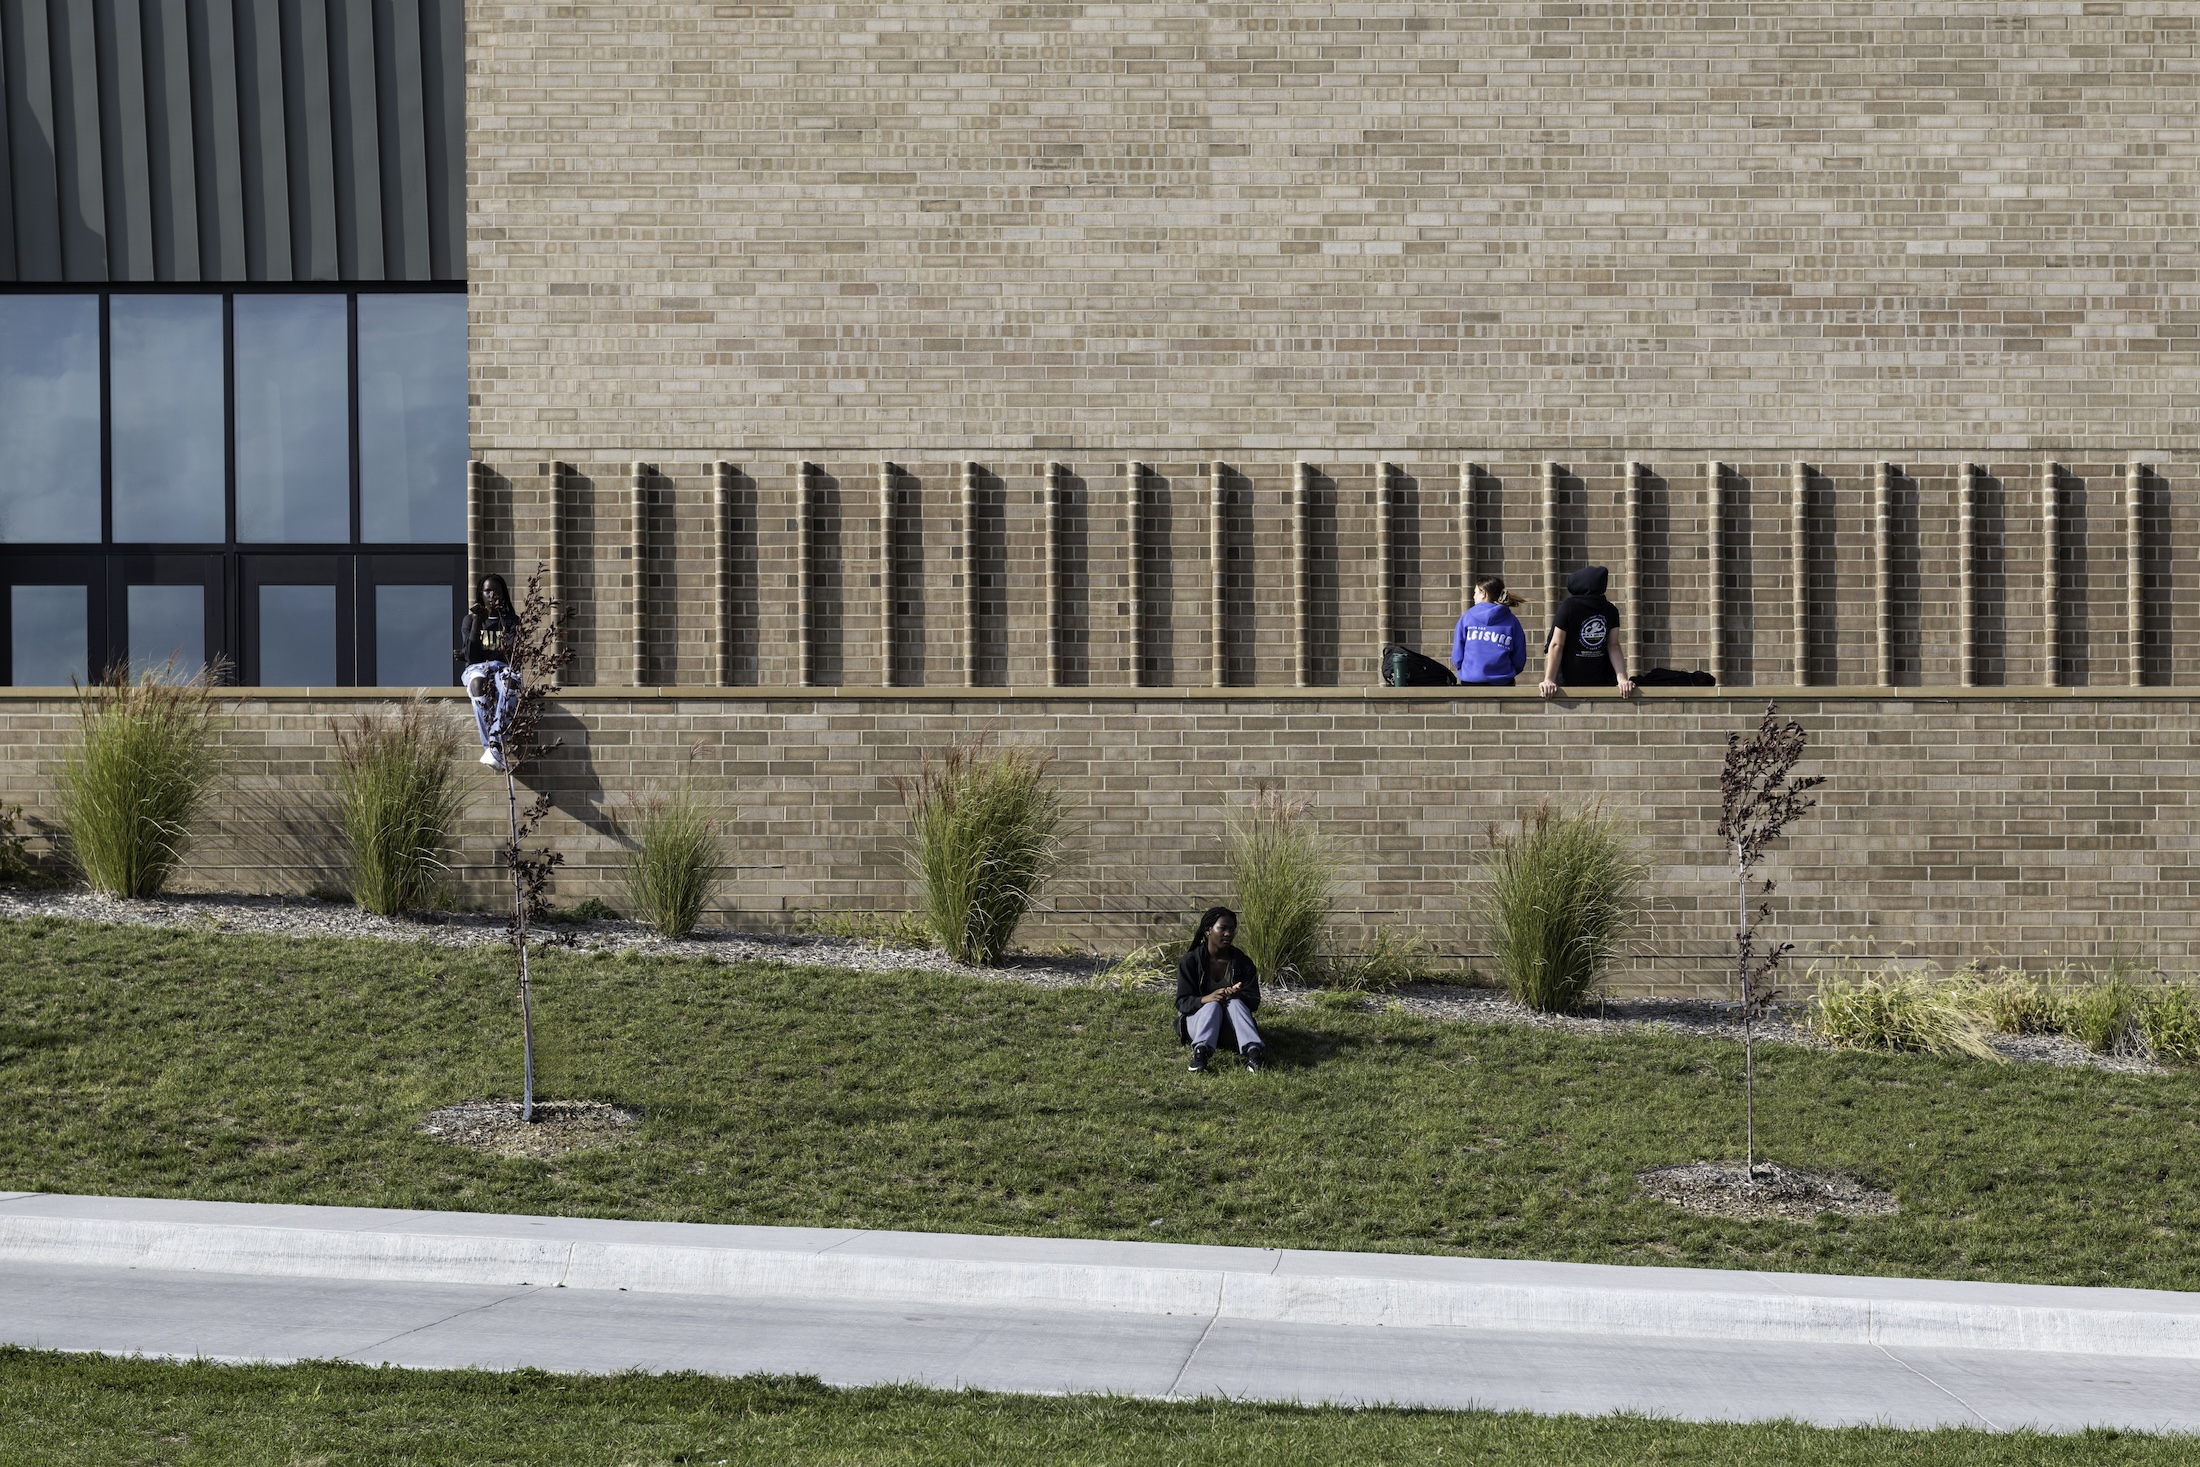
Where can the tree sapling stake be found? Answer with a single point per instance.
(1759, 797)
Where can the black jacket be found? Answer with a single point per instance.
(487, 638)
(1194, 978)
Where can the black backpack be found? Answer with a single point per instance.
(1405, 668)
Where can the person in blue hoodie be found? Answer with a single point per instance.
(1488, 646)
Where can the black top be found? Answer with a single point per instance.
(1196, 977)
(488, 638)
(1589, 622)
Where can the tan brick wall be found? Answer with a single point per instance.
(1753, 229)
(2033, 828)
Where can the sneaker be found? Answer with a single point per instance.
(493, 759)
(1200, 1053)
(1255, 1059)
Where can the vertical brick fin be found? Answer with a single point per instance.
(1140, 584)
(1554, 573)
(1799, 476)
(1715, 549)
(1967, 573)
(1883, 552)
(2051, 548)
(1386, 553)
(1218, 611)
(638, 554)
(806, 511)
(1054, 572)
(477, 523)
(1638, 572)
(721, 647)
(971, 577)
(2135, 558)
(1302, 571)
(884, 555)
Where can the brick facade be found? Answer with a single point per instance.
(2034, 827)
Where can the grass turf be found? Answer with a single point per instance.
(197, 1064)
(65, 1410)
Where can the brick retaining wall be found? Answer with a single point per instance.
(2033, 827)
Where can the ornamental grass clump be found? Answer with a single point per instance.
(2109, 1017)
(2016, 1003)
(135, 777)
(2171, 1024)
(1891, 1010)
(398, 797)
(1283, 876)
(984, 837)
(674, 867)
(1560, 896)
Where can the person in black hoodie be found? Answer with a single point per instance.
(1584, 648)
(489, 631)
(1218, 985)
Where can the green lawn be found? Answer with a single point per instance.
(186, 1063)
(69, 1410)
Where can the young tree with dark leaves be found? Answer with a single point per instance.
(538, 655)
(1759, 798)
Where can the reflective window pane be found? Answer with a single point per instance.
(413, 636)
(51, 635)
(297, 636)
(293, 424)
(165, 354)
(49, 418)
(412, 418)
(167, 630)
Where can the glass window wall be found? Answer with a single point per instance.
(167, 630)
(412, 418)
(49, 419)
(293, 420)
(50, 635)
(413, 636)
(166, 378)
(297, 636)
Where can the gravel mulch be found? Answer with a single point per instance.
(1771, 1191)
(288, 916)
(559, 1126)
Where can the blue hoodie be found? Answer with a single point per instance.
(1488, 645)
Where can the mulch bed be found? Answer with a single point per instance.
(1772, 1191)
(559, 1127)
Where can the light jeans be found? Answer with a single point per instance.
(494, 704)
(1207, 1025)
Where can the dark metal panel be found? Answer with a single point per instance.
(404, 146)
(307, 125)
(214, 128)
(266, 146)
(123, 139)
(357, 140)
(443, 57)
(7, 173)
(172, 159)
(77, 160)
(29, 81)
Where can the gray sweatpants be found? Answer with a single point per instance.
(1207, 1024)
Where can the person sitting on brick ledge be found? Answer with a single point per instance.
(1217, 989)
(1488, 646)
(488, 633)
(1584, 649)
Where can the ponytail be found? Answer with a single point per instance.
(1494, 588)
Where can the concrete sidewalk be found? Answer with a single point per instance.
(238, 1281)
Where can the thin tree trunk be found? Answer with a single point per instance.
(526, 996)
(1749, 1046)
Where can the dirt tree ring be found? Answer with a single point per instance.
(1729, 1189)
(559, 1127)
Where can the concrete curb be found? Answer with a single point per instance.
(1399, 1291)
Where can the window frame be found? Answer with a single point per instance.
(233, 629)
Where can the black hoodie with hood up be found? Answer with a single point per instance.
(1589, 622)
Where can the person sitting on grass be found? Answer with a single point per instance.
(489, 631)
(1217, 989)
